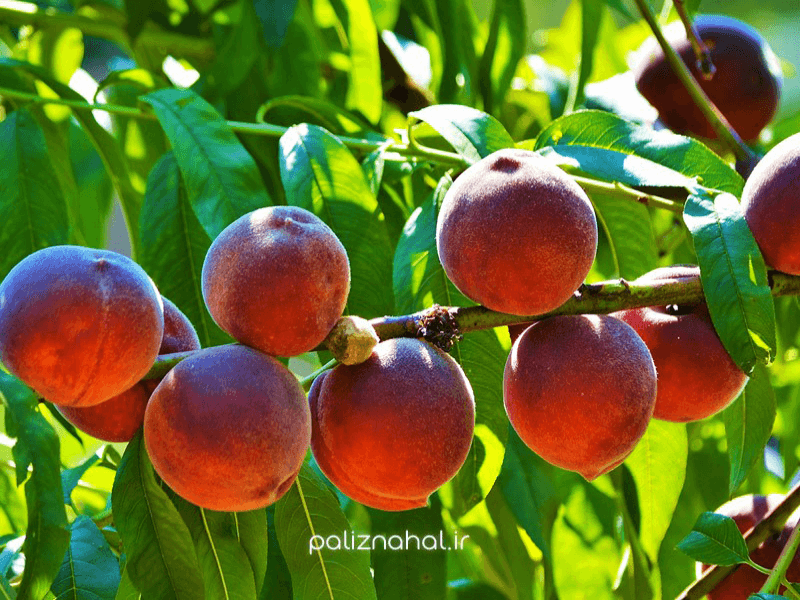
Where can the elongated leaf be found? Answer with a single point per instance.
(715, 540)
(658, 466)
(308, 522)
(224, 564)
(161, 560)
(33, 211)
(607, 147)
(420, 282)
(90, 570)
(321, 175)
(748, 425)
(278, 580)
(364, 93)
(734, 278)
(126, 590)
(174, 246)
(591, 18)
(221, 178)
(460, 64)
(6, 591)
(419, 570)
(106, 146)
(275, 16)
(71, 477)
(504, 49)
(253, 535)
(37, 445)
(472, 133)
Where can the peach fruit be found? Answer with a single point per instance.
(277, 280)
(770, 201)
(580, 391)
(79, 325)
(747, 511)
(745, 87)
(516, 234)
(390, 431)
(228, 428)
(696, 376)
(118, 419)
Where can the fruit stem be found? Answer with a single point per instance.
(306, 382)
(775, 578)
(717, 120)
(263, 129)
(621, 190)
(701, 52)
(771, 524)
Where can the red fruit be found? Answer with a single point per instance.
(228, 428)
(580, 391)
(79, 325)
(277, 280)
(516, 234)
(118, 419)
(745, 87)
(390, 431)
(696, 376)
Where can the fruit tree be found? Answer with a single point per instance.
(399, 300)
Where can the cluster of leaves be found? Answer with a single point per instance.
(184, 163)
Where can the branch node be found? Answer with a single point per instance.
(438, 326)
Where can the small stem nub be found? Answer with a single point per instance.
(701, 51)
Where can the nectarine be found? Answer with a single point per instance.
(516, 234)
(696, 376)
(277, 280)
(79, 325)
(228, 428)
(390, 431)
(580, 391)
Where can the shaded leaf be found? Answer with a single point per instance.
(161, 560)
(715, 540)
(90, 570)
(504, 49)
(275, 16)
(305, 517)
(71, 477)
(630, 234)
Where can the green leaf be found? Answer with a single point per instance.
(321, 175)
(419, 281)
(161, 560)
(138, 12)
(278, 580)
(457, 34)
(630, 234)
(605, 146)
(658, 466)
(715, 540)
(221, 178)
(591, 18)
(748, 425)
(6, 591)
(761, 596)
(224, 564)
(472, 133)
(308, 522)
(174, 246)
(71, 477)
(734, 278)
(106, 146)
(313, 111)
(126, 590)
(33, 211)
(275, 16)
(419, 571)
(364, 93)
(504, 49)
(37, 445)
(90, 570)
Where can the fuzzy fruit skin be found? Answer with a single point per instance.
(390, 431)
(79, 325)
(118, 419)
(516, 234)
(746, 86)
(228, 429)
(771, 201)
(580, 391)
(744, 580)
(277, 280)
(696, 376)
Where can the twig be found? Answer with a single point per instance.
(701, 51)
